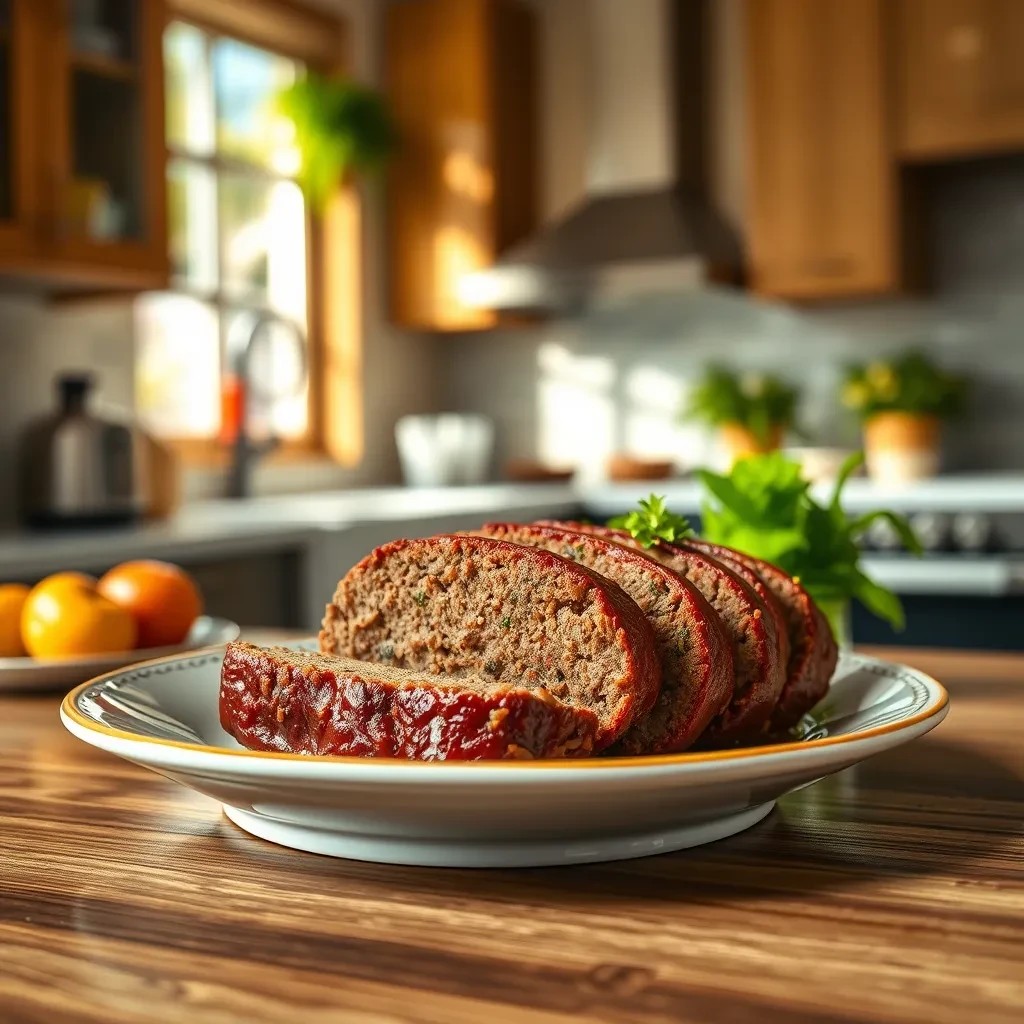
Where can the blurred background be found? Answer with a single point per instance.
(283, 280)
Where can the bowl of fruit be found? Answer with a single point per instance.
(71, 626)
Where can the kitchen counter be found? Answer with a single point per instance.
(893, 891)
(224, 527)
(330, 530)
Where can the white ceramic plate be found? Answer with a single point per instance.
(163, 715)
(27, 674)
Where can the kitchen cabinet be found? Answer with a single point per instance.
(18, 181)
(822, 188)
(85, 124)
(959, 77)
(461, 80)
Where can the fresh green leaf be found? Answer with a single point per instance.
(652, 523)
(879, 601)
(850, 465)
(903, 529)
(764, 506)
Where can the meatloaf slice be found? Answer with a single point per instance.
(306, 703)
(759, 659)
(813, 652)
(513, 615)
(696, 660)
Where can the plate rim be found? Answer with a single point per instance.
(69, 713)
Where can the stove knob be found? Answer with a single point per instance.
(972, 531)
(932, 529)
(882, 537)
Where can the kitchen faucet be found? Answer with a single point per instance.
(244, 450)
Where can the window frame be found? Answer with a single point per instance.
(320, 42)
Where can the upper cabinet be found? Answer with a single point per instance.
(82, 143)
(461, 79)
(822, 212)
(959, 77)
(18, 178)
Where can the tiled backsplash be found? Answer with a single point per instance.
(615, 378)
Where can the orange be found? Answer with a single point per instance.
(12, 600)
(163, 599)
(65, 616)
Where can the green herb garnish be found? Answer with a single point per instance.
(764, 507)
(653, 523)
(420, 598)
(506, 622)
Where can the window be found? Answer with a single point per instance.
(239, 244)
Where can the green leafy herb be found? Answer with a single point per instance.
(760, 402)
(506, 622)
(652, 523)
(764, 507)
(341, 127)
(420, 598)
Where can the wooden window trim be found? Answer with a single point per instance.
(334, 316)
(279, 25)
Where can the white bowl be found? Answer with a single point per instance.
(488, 814)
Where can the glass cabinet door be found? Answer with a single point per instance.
(109, 103)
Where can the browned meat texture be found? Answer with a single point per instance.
(505, 613)
(283, 700)
(696, 661)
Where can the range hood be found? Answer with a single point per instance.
(645, 218)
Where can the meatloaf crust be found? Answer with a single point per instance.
(502, 612)
(696, 659)
(759, 651)
(813, 651)
(306, 703)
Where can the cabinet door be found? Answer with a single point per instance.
(960, 77)
(19, 32)
(462, 185)
(822, 184)
(106, 176)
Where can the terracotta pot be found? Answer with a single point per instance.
(902, 446)
(741, 441)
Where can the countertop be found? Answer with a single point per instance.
(224, 528)
(893, 891)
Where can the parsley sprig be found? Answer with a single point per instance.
(652, 523)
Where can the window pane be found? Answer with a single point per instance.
(246, 80)
(279, 388)
(177, 366)
(192, 211)
(189, 90)
(263, 238)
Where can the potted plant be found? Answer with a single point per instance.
(752, 411)
(902, 403)
(341, 128)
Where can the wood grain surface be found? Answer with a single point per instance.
(891, 892)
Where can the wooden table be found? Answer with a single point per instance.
(891, 892)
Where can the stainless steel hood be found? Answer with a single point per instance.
(646, 215)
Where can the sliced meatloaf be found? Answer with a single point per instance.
(696, 661)
(759, 651)
(813, 651)
(307, 703)
(508, 614)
